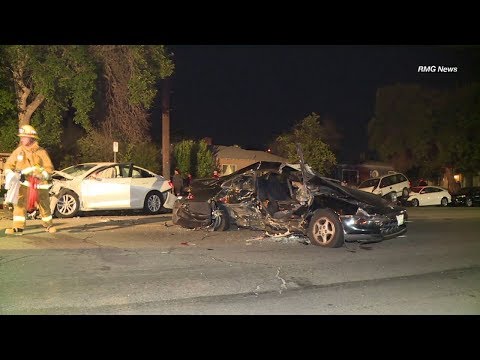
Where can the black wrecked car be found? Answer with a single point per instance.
(288, 199)
(467, 196)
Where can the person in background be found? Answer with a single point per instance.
(215, 174)
(32, 163)
(188, 180)
(177, 181)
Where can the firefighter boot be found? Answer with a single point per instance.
(51, 229)
(13, 231)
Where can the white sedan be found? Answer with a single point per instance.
(429, 195)
(107, 186)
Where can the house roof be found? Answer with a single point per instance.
(235, 152)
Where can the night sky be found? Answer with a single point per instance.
(249, 94)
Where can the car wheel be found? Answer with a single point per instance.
(469, 202)
(405, 192)
(325, 229)
(221, 220)
(67, 205)
(444, 201)
(415, 202)
(153, 203)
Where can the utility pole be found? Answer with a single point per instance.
(166, 128)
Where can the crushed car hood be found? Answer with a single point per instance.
(369, 202)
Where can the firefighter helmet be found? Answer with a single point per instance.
(27, 131)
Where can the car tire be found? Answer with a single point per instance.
(469, 202)
(444, 201)
(325, 229)
(222, 220)
(153, 203)
(405, 192)
(415, 202)
(67, 205)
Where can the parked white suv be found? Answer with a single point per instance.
(387, 184)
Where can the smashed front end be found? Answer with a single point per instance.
(373, 227)
(364, 216)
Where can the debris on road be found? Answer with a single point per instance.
(186, 243)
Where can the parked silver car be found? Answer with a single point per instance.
(107, 186)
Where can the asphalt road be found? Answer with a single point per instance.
(134, 264)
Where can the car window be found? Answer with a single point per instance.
(106, 173)
(369, 183)
(386, 181)
(139, 173)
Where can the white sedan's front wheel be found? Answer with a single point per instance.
(67, 205)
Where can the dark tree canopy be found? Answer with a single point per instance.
(426, 128)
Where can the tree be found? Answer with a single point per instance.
(183, 156)
(429, 129)
(205, 160)
(97, 146)
(47, 81)
(130, 75)
(194, 158)
(8, 121)
(310, 134)
(146, 155)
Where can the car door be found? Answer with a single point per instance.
(141, 183)
(431, 196)
(106, 189)
(385, 186)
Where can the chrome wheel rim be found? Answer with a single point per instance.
(323, 230)
(66, 205)
(154, 203)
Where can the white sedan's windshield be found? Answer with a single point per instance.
(77, 170)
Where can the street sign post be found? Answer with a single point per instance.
(115, 150)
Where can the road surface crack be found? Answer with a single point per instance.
(283, 285)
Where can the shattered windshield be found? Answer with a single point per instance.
(77, 170)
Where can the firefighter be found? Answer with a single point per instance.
(30, 160)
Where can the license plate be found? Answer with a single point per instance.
(400, 219)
